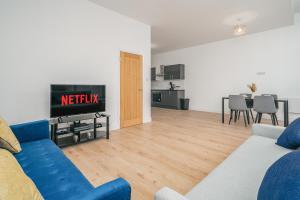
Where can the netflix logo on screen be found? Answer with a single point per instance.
(68, 100)
(79, 99)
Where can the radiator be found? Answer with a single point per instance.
(294, 105)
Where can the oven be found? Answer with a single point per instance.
(156, 97)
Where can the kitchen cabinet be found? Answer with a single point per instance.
(174, 72)
(167, 98)
(153, 74)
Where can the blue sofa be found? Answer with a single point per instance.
(54, 174)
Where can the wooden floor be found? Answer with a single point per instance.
(177, 149)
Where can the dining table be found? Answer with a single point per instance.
(285, 103)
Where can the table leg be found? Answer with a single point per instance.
(223, 110)
(107, 127)
(54, 134)
(286, 113)
(95, 128)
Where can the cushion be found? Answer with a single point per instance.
(282, 179)
(7, 138)
(14, 183)
(290, 138)
(44, 163)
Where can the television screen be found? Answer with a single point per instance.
(76, 99)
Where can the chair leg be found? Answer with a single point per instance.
(276, 119)
(239, 113)
(272, 118)
(231, 114)
(245, 120)
(251, 114)
(248, 116)
(256, 118)
(259, 117)
(235, 116)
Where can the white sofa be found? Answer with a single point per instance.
(240, 175)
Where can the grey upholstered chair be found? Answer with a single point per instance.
(249, 103)
(237, 103)
(275, 96)
(265, 105)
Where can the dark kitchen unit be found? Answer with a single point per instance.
(174, 72)
(167, 98)
(153, 74)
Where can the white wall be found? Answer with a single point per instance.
(226, 67)
(64, 41)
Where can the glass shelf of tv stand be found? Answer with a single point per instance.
(67, 139)
(67, 130)
(63, 130)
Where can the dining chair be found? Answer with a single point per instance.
(237, 103)
(275, 96)
(249, 103)
(265, 105)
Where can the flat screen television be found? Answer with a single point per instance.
(76, 99)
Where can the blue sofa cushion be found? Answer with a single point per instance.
(54, 174)
(282, 179)
(31, 131)
(290, 138)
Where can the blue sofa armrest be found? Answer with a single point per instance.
(118, 189)
(31, 131)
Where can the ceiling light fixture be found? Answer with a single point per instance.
(239, 30)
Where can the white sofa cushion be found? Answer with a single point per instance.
(240, 175)
(267, 130)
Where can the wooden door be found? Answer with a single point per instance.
(131, 70)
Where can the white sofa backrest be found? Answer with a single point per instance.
(268, 131)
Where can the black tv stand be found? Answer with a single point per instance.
(70, 130)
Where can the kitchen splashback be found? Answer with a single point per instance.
(161, 84)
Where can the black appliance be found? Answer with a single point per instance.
(156, 97)
(76, 99)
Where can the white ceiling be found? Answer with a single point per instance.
(183, 23)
